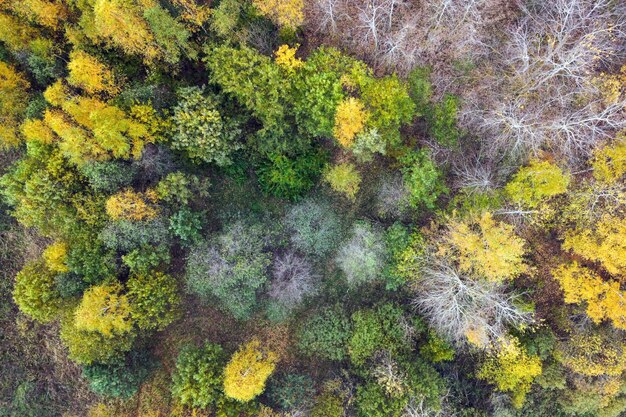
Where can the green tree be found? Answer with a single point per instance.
(423, 179)
(35, 292)
(154, 300)
(325, 334)
(119, 380)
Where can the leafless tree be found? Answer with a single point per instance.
(292, 279)
(456, 305)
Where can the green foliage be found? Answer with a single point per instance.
(291, 391)
(328, 405)
(375, 330)
(344, 178)
(314, 226)
(290, 178)
(69, 285)
(108, 176)
(127, 235)
(35, 292)
(200, 131)
(372, 401)
(231, 269)
(154, 299)
(442, 121)
(397, 240)
(119, 380)
(198, 378)
(422, 178)
(187, 225)
(88, 258)
(178, 188)
(325, 335)
(146, 258)
(420, 88)
(170, 35)
(436, 349)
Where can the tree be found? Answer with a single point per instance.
(422, 178)
(485, 248)
(104, 309)
(290, 177)
(609, 161)
(537, 182)
(119, 380)
(49, 13)
(35, 292)
(604, 299)
(154, 300)
(362, 258)
(201, 131)
(293, 279)
(88, 73)
(130, 205)
(511, 369)
(602, 243)
(248, 369)
(325, 334)
(285, 56)
(171, 36)
(344, 178)
(198, 378)
(55, 257)
(232, 268)
(350, 120)
(287, 14)
(314, 226)
(13, 100)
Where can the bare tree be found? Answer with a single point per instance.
(458, 306)
(292, 279)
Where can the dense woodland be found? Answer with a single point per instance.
(313, 208)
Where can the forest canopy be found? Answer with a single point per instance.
(312, 208)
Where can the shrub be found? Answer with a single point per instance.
(35, 292)
(247, 371)
(291, 391)
(325, 334)
(119, 380)
(232, 268)
(362, 257)
(290, 178)
(422, 178)
(344, 178)
(200, 130)
(187, 225)
(197, 380)
(314, 226)
(154, 300)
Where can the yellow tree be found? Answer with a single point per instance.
(88, 73)
(49, 13)
(15, 34)
(511, 369)
(131, 205)
(285, 13)
(538, 181)
(603, 243)
(121, 23)
(604, 299)
(104, 309)
(286, 58)
(350, 120)
(485, 248)
(609, 162)
(13, 102)
(55, 257)
(247, 371)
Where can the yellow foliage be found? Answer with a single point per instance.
(131, 205)
(538, 181)
(612, 86)
(286, 58)
(350, 120)
(37, 130)
(511, 369)
(247, 371)
(592, 355)
(344, 178)
(604, 299)
(45, 12)
(13, 101)
(55, 256)
(88, 73)
(609, 162)
(486, 248)
(57, 94)
(105, 310)
(15, 34)
(121, 22)
(285, 13)
(193, 12)
(605, 244)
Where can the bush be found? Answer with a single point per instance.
(232, 268)
(154, 299)
(345, 179)
(362, 257)
(197, 380)
(187, 225)
(325, 334)
(108, 176)
(35, 292)
(422, 178)
(200, 130)
(314, 227)
(120, 380)
(290, 178)
(291, 391)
